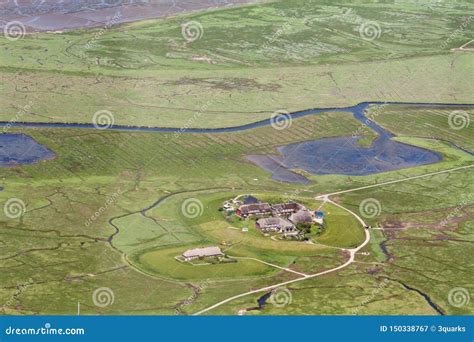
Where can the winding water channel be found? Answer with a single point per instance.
(357, 110)
(338, 155)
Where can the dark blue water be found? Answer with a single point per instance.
(344, 156)
(357, 110)
(262, 301)
(21, 149)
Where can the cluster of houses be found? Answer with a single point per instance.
(280, 218)
(283, 218)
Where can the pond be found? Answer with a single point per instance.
(17, 149)
(344, 155)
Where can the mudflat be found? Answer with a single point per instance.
(56, 15)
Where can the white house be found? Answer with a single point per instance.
(195, 253)
(275, 224)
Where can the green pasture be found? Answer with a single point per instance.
(248, 63)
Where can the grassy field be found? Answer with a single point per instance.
(433, 221)
(449, 124)
(342, 229)
(249, 62)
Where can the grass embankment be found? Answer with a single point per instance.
(211, 229)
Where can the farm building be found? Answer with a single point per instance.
(257, 209)
(286, 208)
(196, 253)
(275, 224)
(302, 217)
